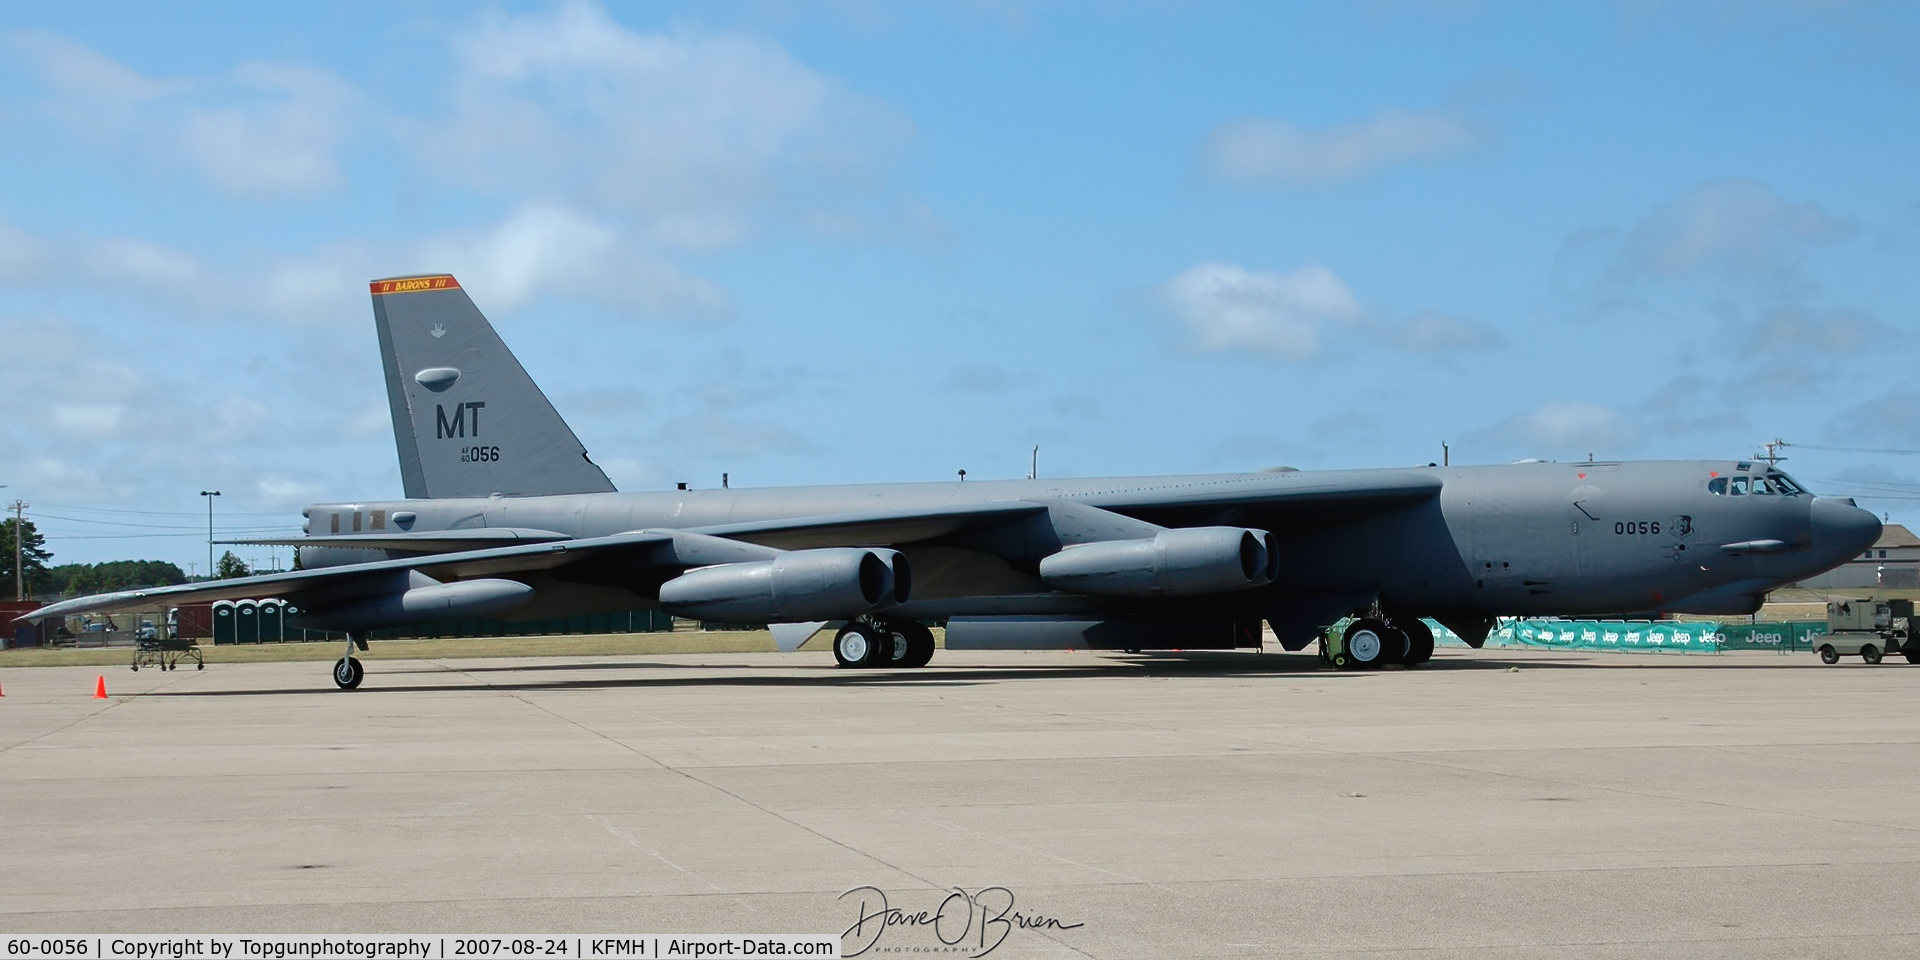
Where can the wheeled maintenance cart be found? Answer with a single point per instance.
(166, 654)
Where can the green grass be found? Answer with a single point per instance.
(614, 644)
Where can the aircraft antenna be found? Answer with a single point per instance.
(1445, 455)
(1033, 472)
(1809, 446)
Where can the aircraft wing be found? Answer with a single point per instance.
(425, 541)
(664, 547)
(1282, 501)
(1298, 499)
(1329, 499)
(873, 527)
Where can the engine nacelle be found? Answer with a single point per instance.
(1185, 562)
(423, 601)
(831, 583)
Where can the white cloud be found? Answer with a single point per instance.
(1738, 229)
(716, 436)
(1560, 428)
(1890, 420)
(93, 421)
(278, 134)
(137, 263)
(146, 270)
(694, 136)
(542, 249)
(613, 155)
(280, 491)
(1438, 333)
(1282, 315)
(1262, 151)
(265, 131)
(1795, 330)
(24, 258)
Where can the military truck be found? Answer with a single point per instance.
(1869, 628)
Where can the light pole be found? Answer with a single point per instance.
(19, 543)
(210, 494)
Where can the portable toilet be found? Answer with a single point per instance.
(272, 624)
(223, 622)
(246, 621)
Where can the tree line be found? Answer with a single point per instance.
(81, 579)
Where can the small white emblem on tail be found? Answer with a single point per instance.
(439, 329)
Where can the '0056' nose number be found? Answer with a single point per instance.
(1636, 527)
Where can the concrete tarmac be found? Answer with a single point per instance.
(1603, 805)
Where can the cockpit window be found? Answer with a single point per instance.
(1765, 486)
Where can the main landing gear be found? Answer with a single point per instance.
(1370, 643)
(883, 643)
(347, 672)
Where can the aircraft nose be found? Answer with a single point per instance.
(1841, 531)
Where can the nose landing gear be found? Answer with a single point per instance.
(347, 672)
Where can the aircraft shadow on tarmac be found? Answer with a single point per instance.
(1153, 665)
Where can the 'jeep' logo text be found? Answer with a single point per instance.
(456, 427)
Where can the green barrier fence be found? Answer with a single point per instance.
(1784, 636)
(1664, 636)
(1657, 636)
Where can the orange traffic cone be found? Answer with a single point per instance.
(100, 688)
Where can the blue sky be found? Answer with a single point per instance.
(821, 243)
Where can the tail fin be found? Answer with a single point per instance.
(467, 419)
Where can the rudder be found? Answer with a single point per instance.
(467, 420)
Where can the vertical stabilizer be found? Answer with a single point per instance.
(467, 419)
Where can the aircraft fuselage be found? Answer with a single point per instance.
(1529, 538)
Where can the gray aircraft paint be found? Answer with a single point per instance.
(467, 419)
(1489, 540)
(1461, 544)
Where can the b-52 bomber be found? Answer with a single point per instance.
(505, 516)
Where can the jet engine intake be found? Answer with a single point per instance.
(1183, 562)
(830, 583)
(424, 601)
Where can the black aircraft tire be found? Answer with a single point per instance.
(919, 644)
(858, 645)
(1829, 655)
(1913, 656)
(1368, 643)
(1870, 653)
(1419, 642)
(897, 645)
(851, 645)
(347, 673)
